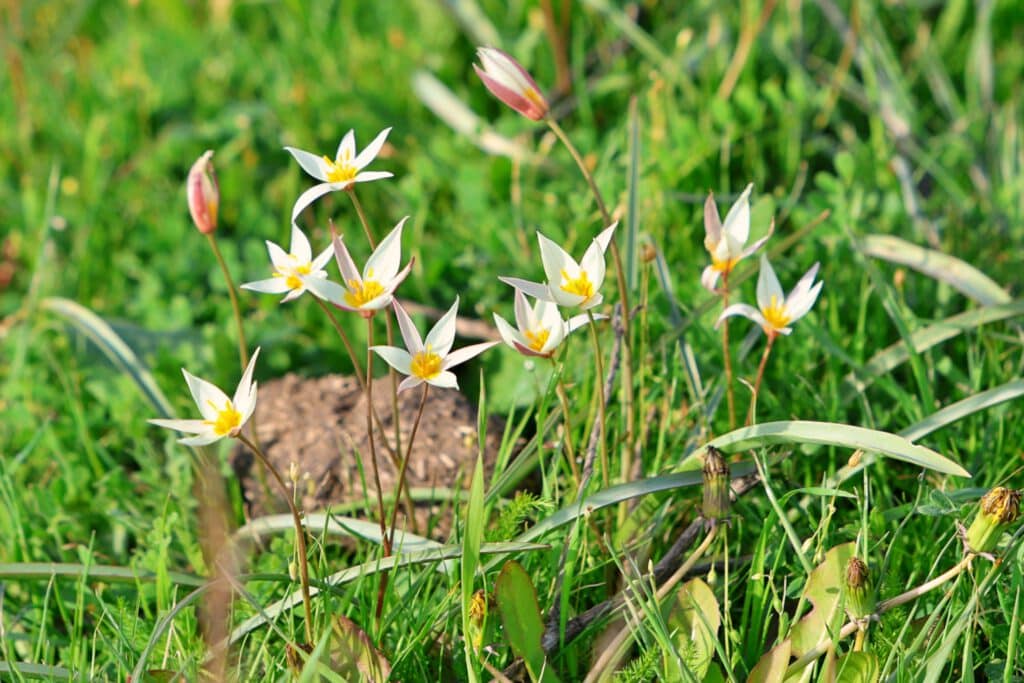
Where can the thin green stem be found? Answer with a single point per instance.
(300, 534)
(373, 458)
(243, 349)
(362, 217)
(602, 413)
(563, 399)
(405, 463)
(727, 355)
(620, 277)
(760, 375)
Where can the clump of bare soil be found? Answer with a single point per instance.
(320, 424)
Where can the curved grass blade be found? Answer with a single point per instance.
(161, 627)
(333, 525)
(958, 274)
(45, 671)
(102, 572)
(113, 347)
(836, 434)
(923, 339)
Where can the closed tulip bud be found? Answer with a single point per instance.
(203, 193)
(511, 83)
(860, 594)
(716, 487)
(999, 508)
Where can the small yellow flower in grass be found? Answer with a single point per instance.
(429, 360)
(222, 416)
(372, 290)
(292, 270)
(569, 283)
(511, 83)
(539, 330)
(203, 193)
(340, 174)
(777, 311)
(727, 242)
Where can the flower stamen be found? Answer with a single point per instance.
(579, 286)
(537, 338)
(228, 419)
(426, 364)
(341, 170)
(361, 293)
(776, 313)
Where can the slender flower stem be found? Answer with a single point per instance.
(730, 398)
(563, 399)
(243, 348)
(373, 459)
(883, 607)
(405, 463)
(603, 418)
(300, 534)
(387, 320)
(616, 649)
(760, 376)
(620, 277)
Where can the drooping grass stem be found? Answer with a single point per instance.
(760, 375)
(727, 355)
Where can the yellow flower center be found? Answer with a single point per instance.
(537, 339)
(776, 313)
(228, 419)
(580, 285)
(725, 266)
(361, 293)
(341, 170)
(292, 276)
(534, 97)
(425, 364)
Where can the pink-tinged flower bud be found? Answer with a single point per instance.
(203, 193)
(509, 82)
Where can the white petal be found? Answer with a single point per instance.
(347, 144)
(371, 150)
(737, 221)
(274, 285)
(209, 399)
(525, 318)
(278, 256)
(346, 265)
(802, 303)
(369, 176)
(768, 285)
(465, 353)
(567, 300)
(604, 238)
(577, 321)
(409, 382)
(384, 261)
(546, 315)
(243, 392)
(311, 163)
(555, 260)
(410, 335)
(328, 291)
(556, 333)
(759, 243)
(248, 405)
(187, 426)
(300, 248)
(712, 223)
(397, 358)
(321, 260)
(310, 196)
(745, 310)
(202, 440)
(446, 380)
(534, 289)
(709, 278)
(803, 285)
(293, 294)
(593, 263)
(442, 335)
(509, 334)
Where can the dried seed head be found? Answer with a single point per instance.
(860, 594)
(999, 508)
(716, 487)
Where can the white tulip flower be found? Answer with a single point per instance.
(775, 312)
(539, 329)
(293, 269)
(727, 242)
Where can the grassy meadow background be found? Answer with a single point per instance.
(897, 118)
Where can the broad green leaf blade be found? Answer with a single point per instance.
(113, 347)
(771, 668)
(520, 615)
(835, 434)
(962, 276)
(694, 617)
(858, 667)
(923, 339)
(824, 591)
(100, 572)
(353, 653)
(44, 671)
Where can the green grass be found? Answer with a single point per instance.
(910, 127)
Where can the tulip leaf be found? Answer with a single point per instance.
(30, 670)
(836, 434)
(771, 668)
(517, 604)
(958, 274)
(99, 572)
(694, 617)
(470, 560)
(858, 667)
(824, 591)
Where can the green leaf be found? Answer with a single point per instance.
(99, 572)
(858, 667)
(824, 591)
(835, 434)
(29, 670)
(958, 274)
(771, 668)
(354, 655)
(470, 561)
(694, 618)
(517, 604)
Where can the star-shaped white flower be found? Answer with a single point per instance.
(431, 360)
(569, 283)
(511, 83)
(727, 242)
(777, 311)
(292, 270)
(222, 416)
(345, 171)
(372, 290)
(540, 328)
